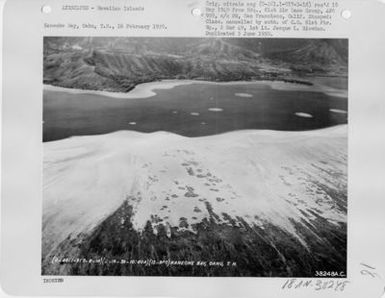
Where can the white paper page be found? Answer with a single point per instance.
(193, 148)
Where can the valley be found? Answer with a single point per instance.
(121, 64)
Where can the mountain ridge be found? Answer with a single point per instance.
(269, 201)
(119, 64)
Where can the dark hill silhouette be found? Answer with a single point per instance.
(120, 63)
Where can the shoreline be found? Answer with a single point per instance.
(332, 131)
(147, 90)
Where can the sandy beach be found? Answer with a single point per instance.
(147, 90)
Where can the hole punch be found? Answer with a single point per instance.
(196, 12)
(346, 14)
(46, 9)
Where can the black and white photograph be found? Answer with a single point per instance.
(201, 157)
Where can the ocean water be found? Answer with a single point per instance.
(193, 110)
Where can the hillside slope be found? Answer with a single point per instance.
(272, 202)
(119, 64)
